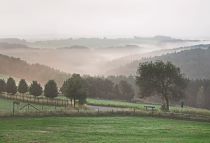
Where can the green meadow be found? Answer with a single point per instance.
(102, 130)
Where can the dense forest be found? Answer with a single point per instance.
(104, 88)
(194, 63)
(197, 93)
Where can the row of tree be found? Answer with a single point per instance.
(35, 89)
(76, 88)
(79, 88)
(10, 87)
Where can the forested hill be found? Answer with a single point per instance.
(194, 63)
(16, 67)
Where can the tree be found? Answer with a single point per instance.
(11, 86)
(22, 87)
(126, 90)
(75, 88)
(99, 87)
(2, 86)
(35, 89)
(163, 79)
(51, 89)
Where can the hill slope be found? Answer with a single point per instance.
(16, 67)
(194, 63)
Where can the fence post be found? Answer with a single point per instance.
(13, 109)
(55, 104)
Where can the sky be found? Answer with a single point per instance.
(104, 18)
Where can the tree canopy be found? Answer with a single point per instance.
(22, 86)
(126, 91)
(159, 78)
(51, 89)
(11, 86)
(35, 89)
(2, 86)
(75, 88)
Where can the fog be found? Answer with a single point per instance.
(93, 61)
(51, 27)
(38, 19)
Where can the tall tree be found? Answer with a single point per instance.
(35, 89)
(159, 78)
(2, 86)
(11, 86)
(22, 86)
(51, 89)
(75, 88)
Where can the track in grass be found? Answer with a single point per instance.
(102, 129)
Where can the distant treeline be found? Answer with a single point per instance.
(193, 63)
(198, 93)
(104, 88)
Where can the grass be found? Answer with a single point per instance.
(102, 130)
(6, 106)
(113, 103)
(140, 106)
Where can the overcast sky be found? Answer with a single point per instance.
(104, 18)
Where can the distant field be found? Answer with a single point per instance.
(102, 130)
(140, 106)
(113, 103)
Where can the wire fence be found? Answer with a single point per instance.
(88, 110)
(38, 100)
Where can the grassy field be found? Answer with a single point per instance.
(113, 103)
(6, 106)
(140, 106)
(102, 130)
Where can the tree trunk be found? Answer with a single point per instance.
(167, 103)
(74, 101)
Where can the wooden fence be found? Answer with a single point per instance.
(38, 100)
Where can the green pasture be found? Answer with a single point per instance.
(102, 130)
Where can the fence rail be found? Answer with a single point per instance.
(86, 112)
(41, 101)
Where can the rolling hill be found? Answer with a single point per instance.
(194, 63)
(18, 68)
(97, 42)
